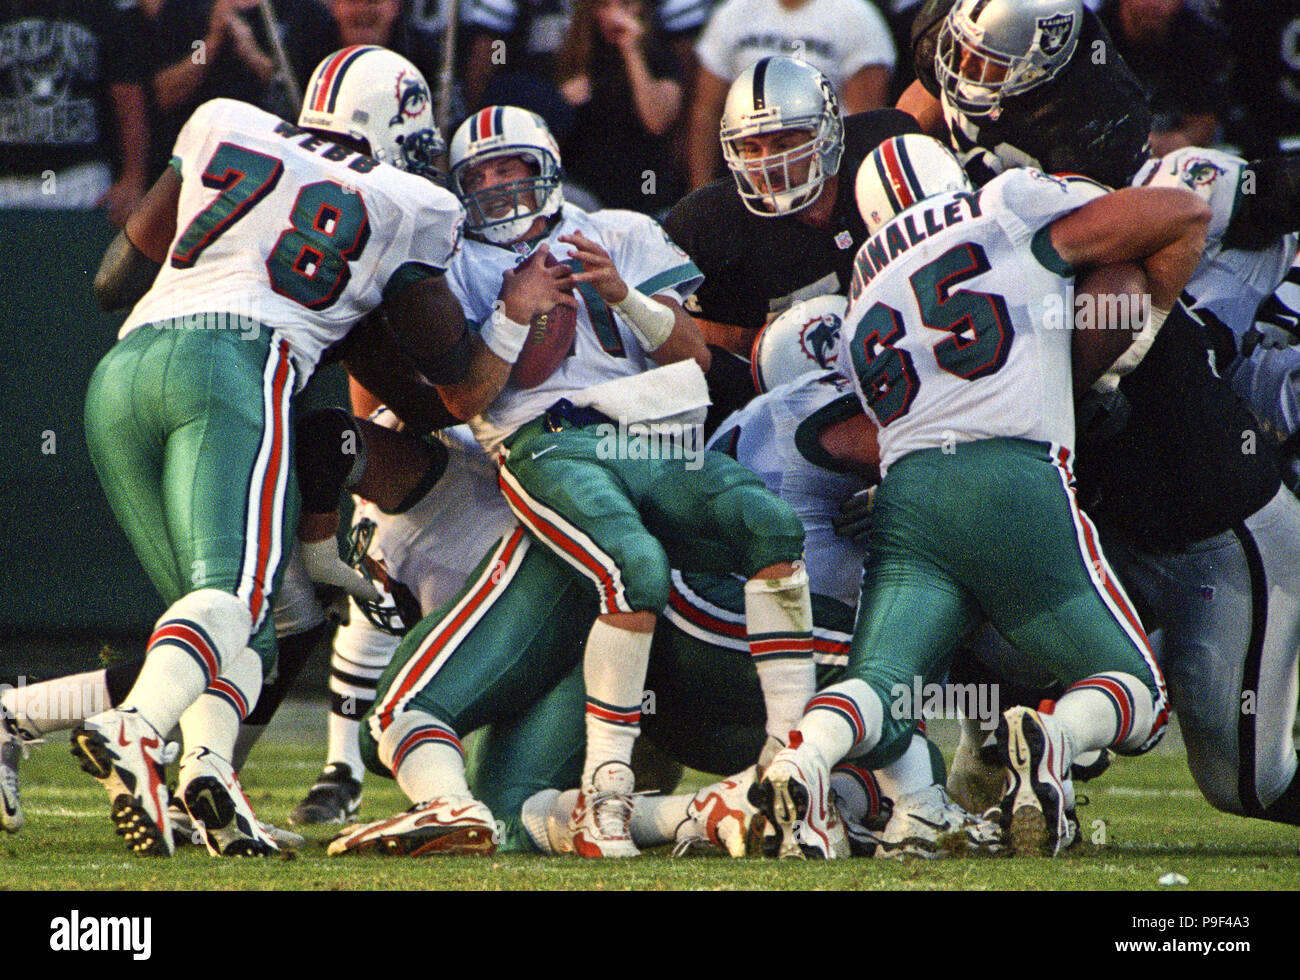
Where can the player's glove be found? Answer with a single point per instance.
(854, 519)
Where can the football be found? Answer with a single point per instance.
(550, 338)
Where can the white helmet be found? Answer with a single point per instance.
(804, 338)
(370, 93)
(902, 171)
(506, 131)
(1013, 46)
(774, 94)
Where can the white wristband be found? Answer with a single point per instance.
(503, 336)
(650, 321)
(1132, 357)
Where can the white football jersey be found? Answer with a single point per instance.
(604, 348)
(1229, 283)
(775, 435)
(432, 547)
(959, 318)
(278, 227)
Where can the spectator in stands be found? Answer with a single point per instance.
(511, 48)
(1264, 36)
(848, 41)
(73, 127)
(206, 49)
(1180, 55)
(626, 91)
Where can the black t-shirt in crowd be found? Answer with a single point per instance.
(1092, 119)
(1185, 74)
(755, 267)
(58, 59)
(607, 150)
(309, 35)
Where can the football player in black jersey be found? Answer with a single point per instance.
(786, 228)
(1027, 83)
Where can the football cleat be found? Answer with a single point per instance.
(443, 825)
(794, 796)
(1037, 752)
(186, 831)
(127, 755)
(335, 797)
(221, 811)
(13, 747)
(976, 777)
(602, 816)
(719, 815)
(545, 816)
(928, 824)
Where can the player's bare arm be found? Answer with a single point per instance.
(1161, 227)
(531, 288)
(918, 103)
(666, 341)
(377, 365)
(135, 255)
(1093, 351)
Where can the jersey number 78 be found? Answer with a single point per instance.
(328, 226)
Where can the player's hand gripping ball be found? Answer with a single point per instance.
(550, 338)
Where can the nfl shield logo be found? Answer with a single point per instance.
(1053, 32)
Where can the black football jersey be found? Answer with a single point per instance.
(756, 267)
(1092, 119)
(1192, 461)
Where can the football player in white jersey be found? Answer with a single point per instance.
(269, 242)
(618, 518)
(951, 349)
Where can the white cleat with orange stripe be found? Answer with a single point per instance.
(794, 795)
(601, 824)
(126, 755)
(443, 825)
(719, 815)
(1037, 752)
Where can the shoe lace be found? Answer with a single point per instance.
(612, 813)
(689, 838)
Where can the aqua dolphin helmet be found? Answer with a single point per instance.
(504, 213)
(370, 93)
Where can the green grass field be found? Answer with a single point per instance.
(1149, 811)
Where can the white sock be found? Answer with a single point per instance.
(613, 669)
(345, 743)
(425, 757)
(655, 818)
(778, 620)
(213, 720)
(1110, 709)
(192, 641)
(909, 773)
(57, 704)
(842, 717)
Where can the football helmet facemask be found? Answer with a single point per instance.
(775, 94)
(902, 171)
(990, 50)
(370, 93)
(506, 131)
(398, 609)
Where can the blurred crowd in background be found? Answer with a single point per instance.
(94, 92)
